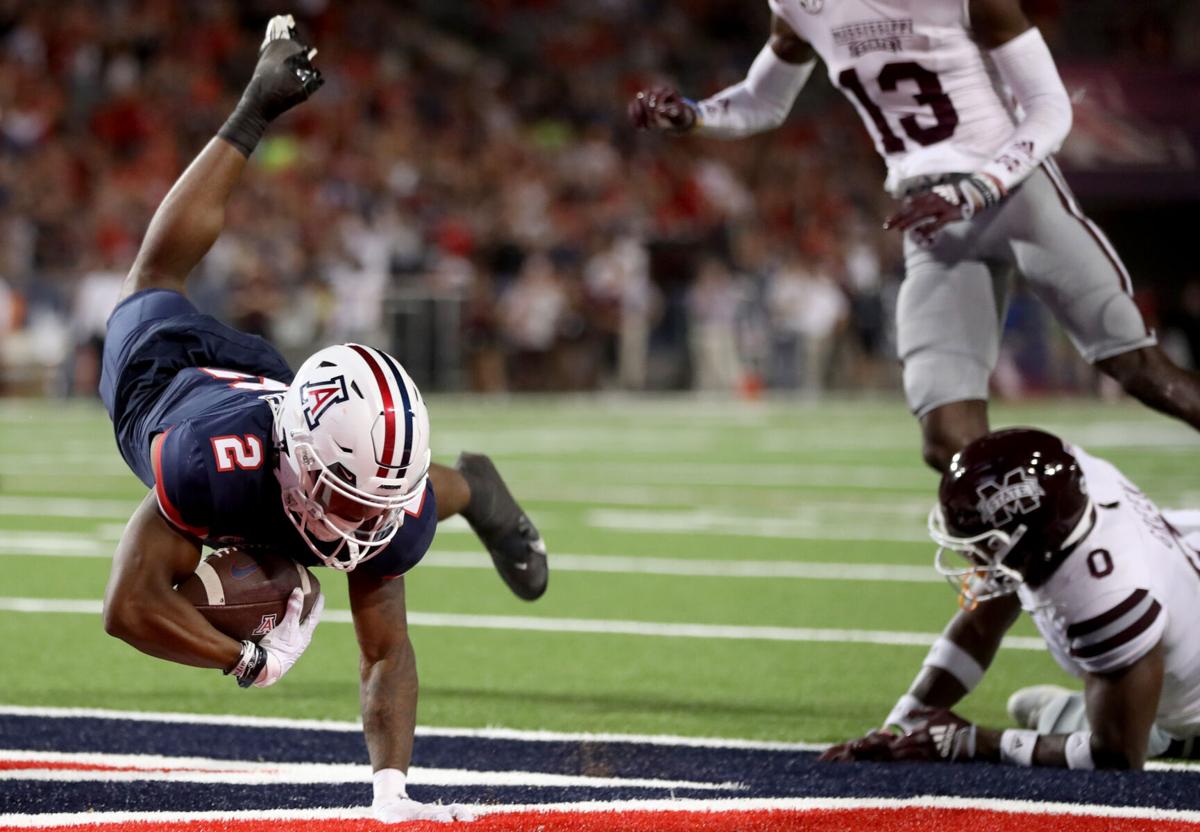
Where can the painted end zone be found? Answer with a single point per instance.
(882, 820)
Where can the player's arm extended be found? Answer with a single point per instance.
(953, 667)
(388, 694)
(192, 215)
(958, 659)
(1024, 63)
(761, 101)
(388, 668)
(141, 606)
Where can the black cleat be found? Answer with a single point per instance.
(511, 539)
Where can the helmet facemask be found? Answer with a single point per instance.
(326, 508)
(353, 438)
(985, 574)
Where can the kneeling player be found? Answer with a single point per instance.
(1111, 584)
(330, 466)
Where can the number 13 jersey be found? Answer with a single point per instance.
(1133, 581)
(925, 90)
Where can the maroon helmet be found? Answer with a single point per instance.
(1012, 504)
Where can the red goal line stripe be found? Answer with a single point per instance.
(767, 820)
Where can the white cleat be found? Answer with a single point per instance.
(1026, 705)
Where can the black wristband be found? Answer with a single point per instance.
(249, 665)
(244, 128)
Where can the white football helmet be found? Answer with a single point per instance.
(353, 438)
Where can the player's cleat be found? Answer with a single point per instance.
(511, 539)
(1026, 706)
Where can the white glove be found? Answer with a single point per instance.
(393, 805)
(290, 638)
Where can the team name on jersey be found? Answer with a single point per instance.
(1149, 514)
(873, 36)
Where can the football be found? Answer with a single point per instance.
(243, 592)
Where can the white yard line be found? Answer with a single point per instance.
(54, 545)
(528, 624)
(101, 546)
(697, 568)
(17, 506)
(717, 474)
(806, 526)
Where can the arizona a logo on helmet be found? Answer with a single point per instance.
(812, 6)
(318, 396)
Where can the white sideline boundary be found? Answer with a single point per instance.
(593, 626)
(800, 804)
(132, 768)
(240, 721)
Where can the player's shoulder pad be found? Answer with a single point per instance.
(181, 481)
(411, 542)
(1115, 630)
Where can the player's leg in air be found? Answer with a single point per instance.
(953, 300)
(949, 321)
(189, 222)
(1074, 270)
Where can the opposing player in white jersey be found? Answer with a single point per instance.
(1112, 585)
(966, 107)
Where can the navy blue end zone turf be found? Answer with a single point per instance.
(763, 773)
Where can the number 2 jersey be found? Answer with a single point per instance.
(214, 472)
(924, 89)
(1132, 582)
(188, 396)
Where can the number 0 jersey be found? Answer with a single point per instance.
(1132, 582)
(925, 90)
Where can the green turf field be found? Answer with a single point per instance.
(757, 522)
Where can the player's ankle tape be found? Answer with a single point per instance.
(249, 664)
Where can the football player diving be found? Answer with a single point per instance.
(1026, 521)
(966, 107)
(330, 465)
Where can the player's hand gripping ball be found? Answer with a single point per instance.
(244, 592)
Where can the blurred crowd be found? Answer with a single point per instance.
(473, 155)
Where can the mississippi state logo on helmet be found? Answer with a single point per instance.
(1018, 493)
(1012, 504)
(353, 438)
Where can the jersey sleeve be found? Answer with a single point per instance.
(181, 481)
(1115, 631)
(411, 542)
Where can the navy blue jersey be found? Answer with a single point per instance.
(200, 432)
